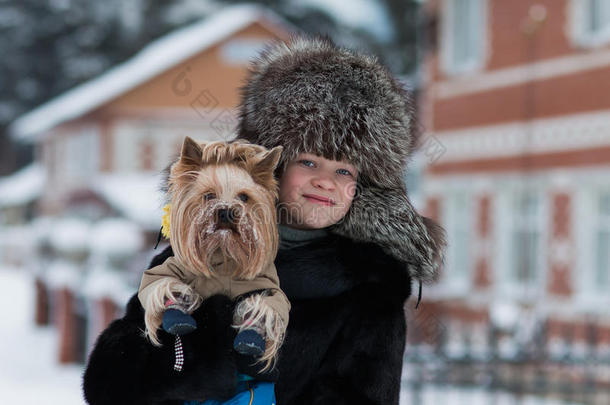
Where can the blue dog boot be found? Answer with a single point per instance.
(178, 322)
(250, 343)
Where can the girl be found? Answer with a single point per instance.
(350, 245)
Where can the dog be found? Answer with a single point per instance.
(223, 232)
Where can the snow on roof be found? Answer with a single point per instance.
(102, 282)
(61, 273)
(154, 59)
(115, 237)
(70, 235)
(23, 186)
(136, 196)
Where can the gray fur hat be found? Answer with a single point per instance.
(311, 96)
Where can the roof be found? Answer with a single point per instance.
(157, 57)
(22, 187)
(135, 196)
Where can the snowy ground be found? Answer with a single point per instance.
(29, 373)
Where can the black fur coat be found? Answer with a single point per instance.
(344, 343)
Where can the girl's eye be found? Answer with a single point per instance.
(209, 196)
(344, 172)
(307, 163)
(243, 197)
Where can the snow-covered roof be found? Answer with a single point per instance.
(115, 237)
(70, 235)
(23, 186)
(135, 196)
(151, 61)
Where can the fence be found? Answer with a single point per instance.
(485, 365)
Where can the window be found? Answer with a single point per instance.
(601, 279)
(526, 245)
(81, 151)
(463, 35)
(459, 229)
(591, 22)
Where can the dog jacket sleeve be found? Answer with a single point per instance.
(266, 280)
(169, 268)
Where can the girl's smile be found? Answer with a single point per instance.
(319, 199)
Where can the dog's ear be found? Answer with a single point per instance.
(191, 153)
(262, 171)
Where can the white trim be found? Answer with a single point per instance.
(596, 176)
(155, 58)
(513, 76)
(566, 133)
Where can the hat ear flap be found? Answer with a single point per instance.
(387, 218)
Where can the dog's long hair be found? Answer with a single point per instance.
(205, 180)
(211, 180)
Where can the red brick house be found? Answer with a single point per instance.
(518, 95)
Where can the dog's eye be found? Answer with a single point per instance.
(243, 196)
(209, 196)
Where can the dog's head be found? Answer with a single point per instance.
(223, 206)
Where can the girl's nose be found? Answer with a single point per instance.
(323, 183)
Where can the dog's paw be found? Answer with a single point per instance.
(178, 322)
(250, 343)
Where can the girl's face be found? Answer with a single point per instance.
(316, 192)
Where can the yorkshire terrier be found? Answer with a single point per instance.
(223, 232)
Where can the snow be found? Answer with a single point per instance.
(136, 196)
(17, 244)
(103, 282)
(29, 373)
(154, 59)
(22, 187)
(70, 235)
(62, 274)
(42, 228)
(115, 237)
(504, 315)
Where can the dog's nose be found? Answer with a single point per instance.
(226, 216)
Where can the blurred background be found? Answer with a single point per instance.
(513, 112)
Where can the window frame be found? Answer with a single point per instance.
(476, 63)
(588, 293)
(504, 211)
(579, 15)
(462, 284)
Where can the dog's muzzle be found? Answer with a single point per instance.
(226, 218)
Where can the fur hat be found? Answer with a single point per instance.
(311, 96)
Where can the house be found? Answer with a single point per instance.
(106, 137)
(102, 147)
(518, 95)
(19, 195)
